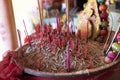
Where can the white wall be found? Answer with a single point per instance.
(22, 10)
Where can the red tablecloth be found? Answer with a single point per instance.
(10, 70)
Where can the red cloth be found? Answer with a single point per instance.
(10, 70)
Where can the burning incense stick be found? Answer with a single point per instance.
(25, 28)
(26, 32)
(86, 44)
(40, 7)
(19, 36)
(68, 58)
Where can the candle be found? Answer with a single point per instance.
(19, 36)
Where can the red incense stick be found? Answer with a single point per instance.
(90, 63)
(19, 36)
(72, 46)
(79, 51)
(86, 44)
(26, 32)
(67, 61)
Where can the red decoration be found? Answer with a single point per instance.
(9, 69)
(28, 39)
(104, 15)
(37, 28)
(103, 32)
(103, 7)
